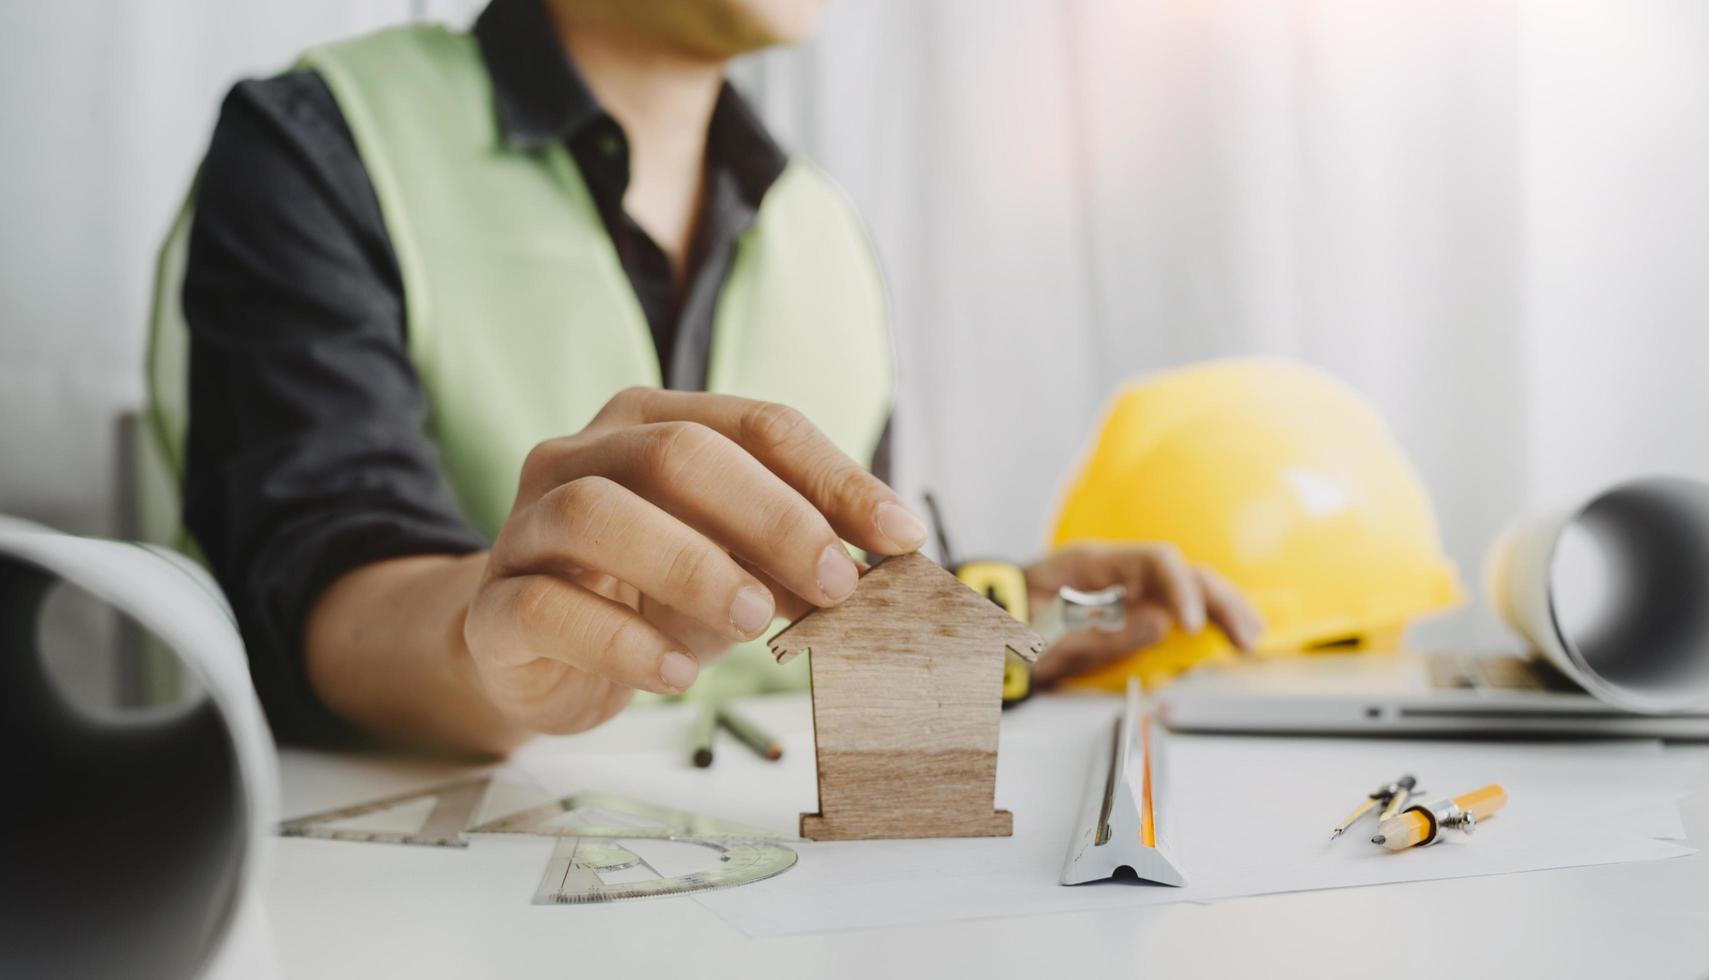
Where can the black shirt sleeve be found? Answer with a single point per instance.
(306, 454)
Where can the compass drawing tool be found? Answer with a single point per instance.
(1390, 796)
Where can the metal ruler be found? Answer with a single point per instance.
(588, 855)
(1121, 821)
(455, 804)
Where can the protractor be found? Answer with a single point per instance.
(586, 870)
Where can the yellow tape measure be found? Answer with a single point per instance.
(1006, 585)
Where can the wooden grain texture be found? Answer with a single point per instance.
(907, 692)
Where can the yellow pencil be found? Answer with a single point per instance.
(1419, 825)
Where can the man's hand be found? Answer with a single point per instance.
(1163, 590)
(673, 526)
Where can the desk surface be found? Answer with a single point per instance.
(352, 910)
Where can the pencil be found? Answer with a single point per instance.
(705, 725)
(752, 735)
(1423, 824)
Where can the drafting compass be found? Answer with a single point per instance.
(1391, 797)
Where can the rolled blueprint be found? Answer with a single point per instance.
(1615, 592)
(129, 839)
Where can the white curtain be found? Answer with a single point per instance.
(105, 109)
(1489, 215)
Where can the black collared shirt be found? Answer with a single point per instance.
(542, 100)
(307, 456)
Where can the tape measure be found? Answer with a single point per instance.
(1006, 585)
(1002, 583)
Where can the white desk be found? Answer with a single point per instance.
(339, 909)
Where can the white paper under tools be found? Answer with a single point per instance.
(1253, 816)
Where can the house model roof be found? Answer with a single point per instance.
(908, 589)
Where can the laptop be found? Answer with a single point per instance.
(1403, 694)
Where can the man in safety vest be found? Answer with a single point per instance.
(526, 372)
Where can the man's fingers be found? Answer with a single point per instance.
(700, 476)
(530, 617)
(1085, 650)
(704, 644)
(790, 606)
(1169, 576)
(1230, 610)
(596, 524)
(863, 510)
(1153, 573)
(1146, 625)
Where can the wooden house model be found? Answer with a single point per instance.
(907, 693)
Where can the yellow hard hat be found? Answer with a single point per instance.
(1286, 482)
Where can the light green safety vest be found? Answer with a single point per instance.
(521, 320)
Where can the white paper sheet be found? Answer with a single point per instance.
(1251, 815)
(1254, 814)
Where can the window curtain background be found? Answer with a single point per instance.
(1490, 217)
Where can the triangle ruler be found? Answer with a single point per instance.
(448, 810)
(593, 814)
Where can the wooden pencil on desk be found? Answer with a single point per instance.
(1423, 824)
(752, 735)
(705, 726)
